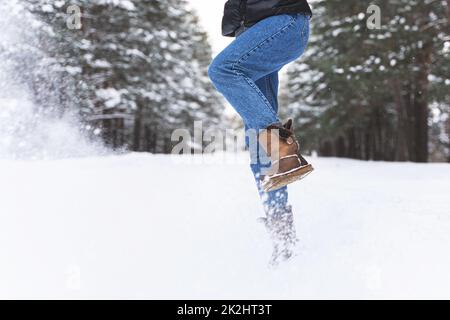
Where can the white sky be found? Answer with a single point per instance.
(210, 13)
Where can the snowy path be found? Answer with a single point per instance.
(140, 226)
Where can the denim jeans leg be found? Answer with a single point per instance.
(259, 51)
(269, 87)
(277, 199)
(246, 74)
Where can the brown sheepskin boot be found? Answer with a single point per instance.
(283, 149)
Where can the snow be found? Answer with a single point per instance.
(152, 226)
(111, 96)
(125, 4)
(29, 127)
(26, 132)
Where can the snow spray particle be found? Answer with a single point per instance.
(37, 119)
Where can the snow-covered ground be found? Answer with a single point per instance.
(146, 226)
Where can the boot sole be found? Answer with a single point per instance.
(275, 183)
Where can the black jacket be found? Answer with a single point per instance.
(246, 13)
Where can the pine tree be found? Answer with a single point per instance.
(140, 66)
(365, 93)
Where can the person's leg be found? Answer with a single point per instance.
(269, 87)
(275, 202)
(261, 50)
(237, 73)
(246, 73)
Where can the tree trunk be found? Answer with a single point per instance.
(137, 132)
(448, 119)
(401, 150)
(326, 149)
(341, 150)
(421, 103)
(410, 122)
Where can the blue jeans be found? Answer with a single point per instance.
(246, 73)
